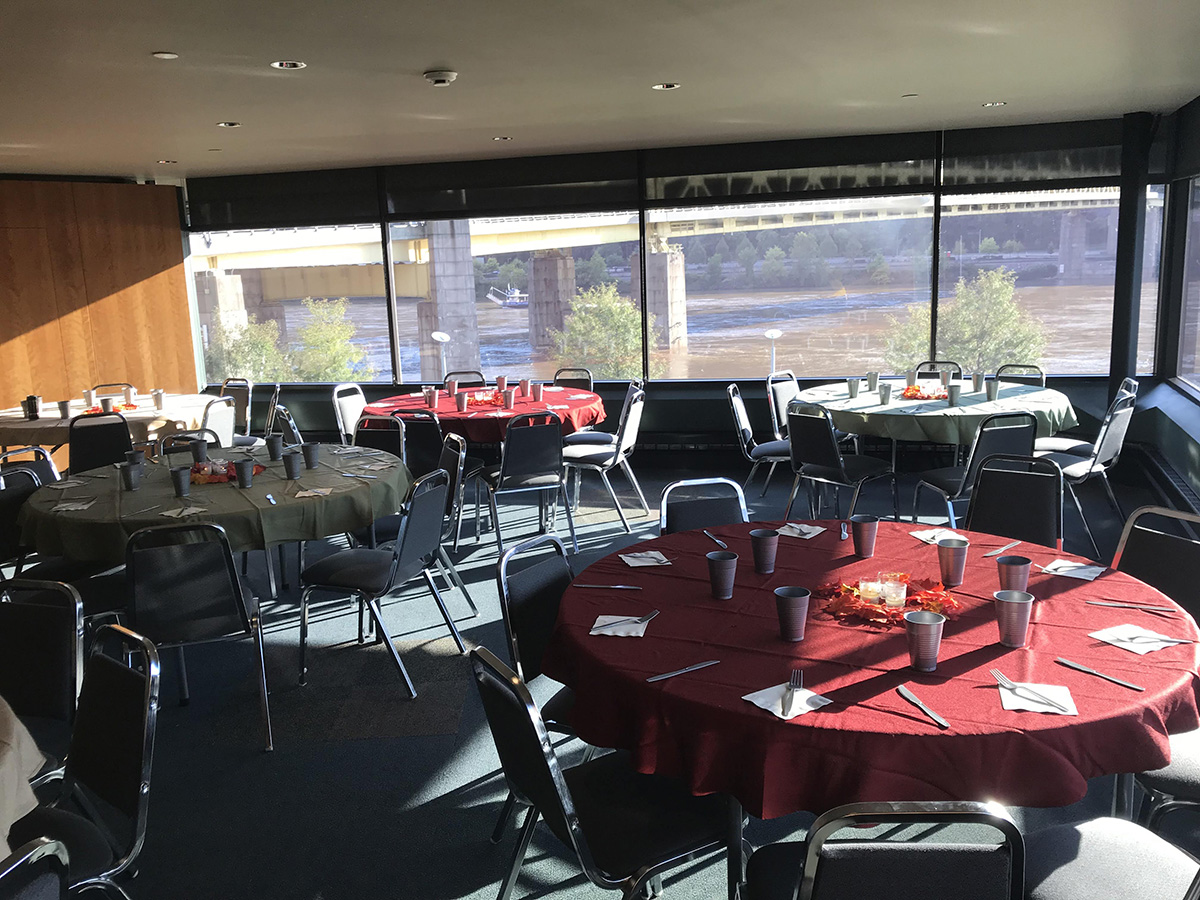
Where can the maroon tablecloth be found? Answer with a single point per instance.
(487, 424)
(869, 744)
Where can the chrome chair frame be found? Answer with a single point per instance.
(215, 410)
(745, 434)
(38, 852)
(939, 366)
(19, 551)
(43, 462)
(289, 430)
(1011, 369)
(272, 405)
(574, 377)
(619, 452)
(664, 501)
(341, 395)
(474, 378)
(88, 419)
(119, 385)
(1007, 462)
(241, 407)
(777, 402)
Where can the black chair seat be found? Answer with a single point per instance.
(387, 529)
(948, 480)
(594, 438)
(354, 570)
(589, 454)
(102, 587)
(773, 872)
(1074, 468)
(492, 476)
(1181, 776)
(90, 854)
(1064, 445)
(857, 469)
(556, 712)
(781, 449)
(628, 818)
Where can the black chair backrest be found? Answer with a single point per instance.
(1010, 434)
(42, 464)
(17, 484)
(41, 648)
(1164, 560)
(348, 404)
(1018, 497)
(575, 377)
(112, 742)
(782, 389)
(380, 433)
(1111, 438)
(421, 531)
(287, 425)
(113, 388)
(181, 441)
(940, 365)
(272, 406)
(1022, 373)
(526, 755)
(36, 870)
(422, 441)
(452, 461)
(466, 378)
(532, 448)
(241, 390)
(529, 599)
(686, 514)
(183, 584)
(810, 431)
(97, 439)
(741, 419)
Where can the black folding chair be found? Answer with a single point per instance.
(816, 459)
(624, 829)
(380, 433)
(937, 366)
(603, 458)
(287, 425)
(348, 405)
(1018, 497)
(100, 812)
(17, 484)
(466, 378)
(184, 590)
(370, 574)
(41, 463)
(689, 512)
(574, 377)
(36, 870)
(1022, 373)
(242, 392)
(773, 452)
(97, 439)
(422, 441)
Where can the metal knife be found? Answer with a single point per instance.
(614, 587)
(912, 698)
(1002, 549)
(683, 671)
(1082, 668)
(1129, 605)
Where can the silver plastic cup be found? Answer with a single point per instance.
(924, 631)
(451, 386)
(245, 472)
(1012, 615)
(502, 383)
(945, 376)
(159, 398)
(952, 559)
(274, 446)
(864, 529)
(872, 381)
(199, 450)
(131, 476)
(993, 388)
(64, 409)
(537, 389)
(722, 566)
(460, 400)
(885, 394)
(977, 382)
(1014, 572)
(791, 603)
(852, 387)
(106, 404)
(137, 458)
(952, 393)
(181, 480)
(312, 454)
(510, 399)
(910, 377)
(89, 399)
(130, 394)
(523, 386)
(764, 544)
(291, 465)
(431, 396)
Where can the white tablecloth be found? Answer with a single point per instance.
(20, 760)
(180, 412)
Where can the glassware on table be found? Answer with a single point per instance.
(977, 382)
(952, 393)
(1013, 609)
(885, 394)
(722, 567)
(924, 632)
(537, 388)
(993, 388)
(893, 589)
(870, 589)
(865, 529)
(1014, 572)
(131, 476)
(764, 544)
(502, 383)
(274, 446)
(952, 560)
(791, 605)
(312, 454)
(852, 387)
(159, 396)
(460, 400)
(524, 387)
(872, 381)
(181, 480)
(291, 465)
(64, 409)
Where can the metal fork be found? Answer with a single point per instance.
(795, 683)
(1004, 681)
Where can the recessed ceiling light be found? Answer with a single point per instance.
(992, 103)
(908, 96)
(502, 137)
(168, 162)
(666, 86)
(289, 64)
(229, 124)
(164, 54)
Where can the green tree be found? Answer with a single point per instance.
(514, 273)
(773, 270)
(591, 271)
(810, 266)
(765, 240)
(696, 252)
(714, 272)
(326, 350)
(604, 333)
(853, 247)
(723, 249)
(251, 352)
(829, 247)
(989, 245)
(1011, 246)
(748, 256)
(878, 269)
(982, 328)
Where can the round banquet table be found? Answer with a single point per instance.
(20, 760)
(180, 412)
(100, 532)
(936, 420)
(486, 424)
(869, 744)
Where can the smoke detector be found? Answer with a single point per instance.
(440, 77)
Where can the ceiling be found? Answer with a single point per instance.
(80, 93)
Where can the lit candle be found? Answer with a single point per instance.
(870, 590)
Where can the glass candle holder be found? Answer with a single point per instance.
(870, 590)
(893, 590)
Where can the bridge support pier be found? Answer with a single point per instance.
(451, 304)
(551, 290)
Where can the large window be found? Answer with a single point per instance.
(519, 295)
(292, 304)
(1027, 277)
(1189, 350)
(817, 286)
(1151, 261)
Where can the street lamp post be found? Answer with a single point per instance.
(773, 334)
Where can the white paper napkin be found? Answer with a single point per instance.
(63, 485)
(499, 413)
(1134, 638)
(933, 535)
(558, 406)
(798, 530)
(185, 511)
(550, 388)
(771, 699)
(579, 396)
(1023, 700)
(646, 558)
(72, 505)
(629, 629)
(1073, 570)
(375, 467)
(314, 492)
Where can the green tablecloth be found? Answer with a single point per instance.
(99, 533)
(936, 420)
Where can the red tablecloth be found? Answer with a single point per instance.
(487, 424)
(869, 744)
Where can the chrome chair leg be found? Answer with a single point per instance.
(304, 634)
(895, 497)
(445, 615)
(628, 470)
(767, 482)
(787, 511)
(1112, 498)
(616, 503)
(185, 696)
(510, 880)
(452, 572)
(495, 520)
(562, 491)
(750, 477)
(1083, 518)
(377, 615)
(506, 812)
(264, 691)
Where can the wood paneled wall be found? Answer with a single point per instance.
(92, 289)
